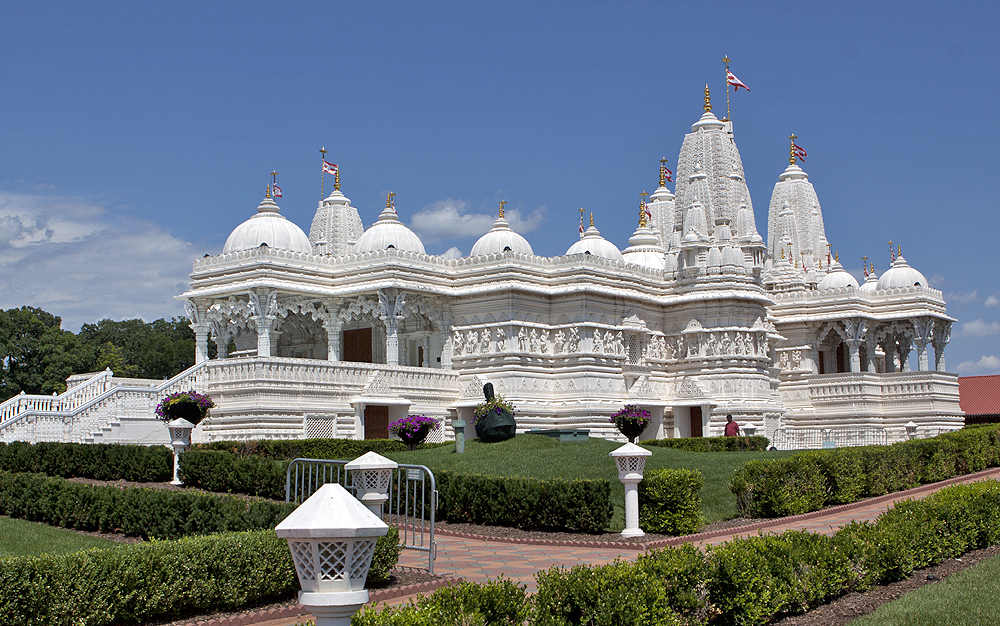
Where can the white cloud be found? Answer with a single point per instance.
(452, 253)
(971, 296)
(447, 219)
(992, 301)
(77, 260)
(985, 365)
(979, 328)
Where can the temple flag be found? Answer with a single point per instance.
(329, 168)
(800, 152)
(735, 82)
(277, 191)
(670, 175)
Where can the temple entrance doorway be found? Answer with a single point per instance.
(695, 413)
(376, 422)
(358, 346)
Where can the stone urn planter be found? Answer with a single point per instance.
(413, 429)
(494, 420)
(185, 405)
(631, 421)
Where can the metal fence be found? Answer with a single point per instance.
(815, 438)
(411, 507)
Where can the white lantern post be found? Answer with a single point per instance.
(749, 430)
(371, 473)
(911, 429)
(332, 539)
(180, 439)
(631, 460)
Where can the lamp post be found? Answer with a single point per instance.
(180, 439)
(370, 474)
(911, 429)
(631, 460)
(332, 539)
(749, 429)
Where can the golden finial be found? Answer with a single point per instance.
(591, 219)
(791, 149)
(268, 191)
(836, 256)
(388, 200)
(502, 204)
(899, 251)
(890, 250)
(708, 100)
(642, 215)
(663, 172)
(782, 253)
(795, 264)
(336, 179)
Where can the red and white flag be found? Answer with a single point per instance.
(735, 82)
(581, 228)
(800, 152)
(329, 168)
(277, 191)
(670, 175)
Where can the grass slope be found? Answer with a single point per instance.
(543, 457)
(967, 598)
(21, 538)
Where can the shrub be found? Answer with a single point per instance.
(669, 501)
(384, 558)
(133, 511)
(225, 472)
(498, 602)
(140, 583)
(683, 571)
(288, 449)
(712, 444)
(528, 503)
(97, 461)
(811, 480)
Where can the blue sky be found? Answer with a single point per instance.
(136, 136)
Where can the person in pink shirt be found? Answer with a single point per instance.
(732, 428)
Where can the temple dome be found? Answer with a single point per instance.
(644, 249)
(389, 232)
(838, 278)
(269, 227)
(870, 284)
(592, 243)
(901, 275)
(501, 239)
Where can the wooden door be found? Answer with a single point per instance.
(695, 421)
(376, 422)
(358, 345)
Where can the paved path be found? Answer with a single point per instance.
(478, 561)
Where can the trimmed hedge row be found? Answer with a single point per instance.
(811, 480)
(670, 501)
(134, 584)
(747, 581)
(527, 503)
(225, 472)
(140, 512)
(712, 444)
(289, 449)
(98, 461)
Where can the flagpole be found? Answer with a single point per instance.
(725, 60)
(322, 172)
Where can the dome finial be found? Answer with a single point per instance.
(502, 204)
(893, 256)
(389, 204)
(899, 250)
(864, 264)
(791, 149)
(268, 195)
(708, 100)
(643, 211)
(591, 219)
(663, 172)
(336, 180)
(836, 256)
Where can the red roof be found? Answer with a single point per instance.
(979, 395)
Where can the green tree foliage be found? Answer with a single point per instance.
(37, 355)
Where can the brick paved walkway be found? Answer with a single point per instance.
(479, 561)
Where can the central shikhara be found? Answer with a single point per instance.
(343, 331)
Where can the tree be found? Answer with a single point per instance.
(36, 354)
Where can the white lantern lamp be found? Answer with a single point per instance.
(332, 539)
(371, 474)
(631, 461)
(911, 429)
(180, 439)
(749, 429)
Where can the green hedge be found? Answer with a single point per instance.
(288, 449)
(97, 461)
(528, 503)
(669, 501)
(135, 584)
(811, 480)
(712, 444)
(138, 512)
(747, 581)
(225, 472)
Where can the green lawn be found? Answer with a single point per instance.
(543, 457)
(21, 538)
(968, 598)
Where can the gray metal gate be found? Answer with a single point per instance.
(411, 507)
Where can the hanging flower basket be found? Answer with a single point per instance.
(413, 429)
(189, 405)
(631, 421)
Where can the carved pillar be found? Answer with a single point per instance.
(264, 324)
(391, 314)
(870, 346)
(264, 316)
(426, 343)
(447, 345)
(856, 329)
(923, 328)
(332, 327)
(200, 341)
(942, 334)
(905, 346)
